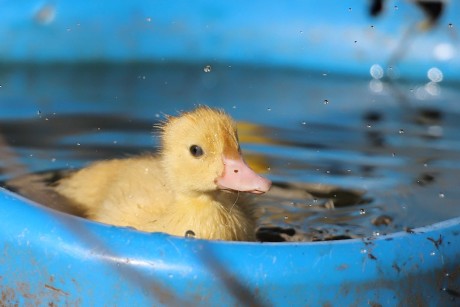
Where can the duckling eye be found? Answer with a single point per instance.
(196, 151)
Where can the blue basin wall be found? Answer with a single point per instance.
(50, 258)
(53, 258)
(328, 36)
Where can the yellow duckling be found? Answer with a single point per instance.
(185, 188)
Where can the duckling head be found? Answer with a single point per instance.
(201, 153)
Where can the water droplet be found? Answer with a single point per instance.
(372, 27)
(148, 19)
(363, 251)
(53, 160)
(207, 68)
(401, 131)
(368, 126)
(444, 51)
(286, 217)
(324, 74)
(433, 253)
(393, 154)
(362, 211)
(304, 123)
(396, 7)
(269, 109)
(326, 101)
(301, 32)
(190, 234)
(349, 9)
(442, 195)
(435, 74)
(39, 112)
(78, 144)
(157, 115)
(45, 14)
(234, 107)
(447, 275)
(376, 71)
(115, 142)
(356, 42)
(451, 25)
(268, 168)
(376, 85)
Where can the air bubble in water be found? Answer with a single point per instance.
(326, 101)
(269, 109)
(148, 19)
(362, 211)
(401, 131)
(442, 195)
(207, 68)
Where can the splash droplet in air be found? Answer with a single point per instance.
(207, 68)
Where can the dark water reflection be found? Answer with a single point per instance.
(365, 163)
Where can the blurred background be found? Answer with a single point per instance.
(354, 101)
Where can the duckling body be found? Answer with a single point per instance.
(190, 186)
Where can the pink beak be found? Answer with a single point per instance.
(238, 176)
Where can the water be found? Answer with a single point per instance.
(349, 157)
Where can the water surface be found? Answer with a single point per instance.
(349, 157)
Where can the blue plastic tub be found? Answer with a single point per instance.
(50, 258)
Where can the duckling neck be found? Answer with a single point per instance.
(214, 216)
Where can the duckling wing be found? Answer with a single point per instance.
(125, 192)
